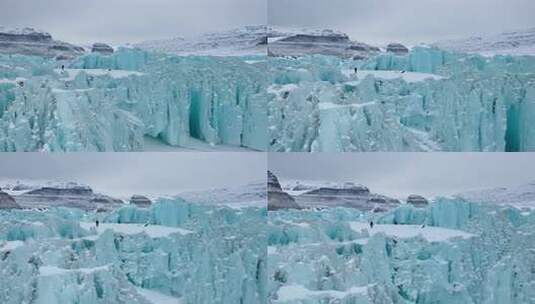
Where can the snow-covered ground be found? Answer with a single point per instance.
(429, 233)
(70, 74)
(296, 293)
(522, 196)
(388, 75)
(154, 231)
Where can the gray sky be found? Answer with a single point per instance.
(401, 174)
(120, 21)
(408, 21)
(147, 173)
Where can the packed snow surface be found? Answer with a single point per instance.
(431, 234)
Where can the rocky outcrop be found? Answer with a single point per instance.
(70, 195)
(277, 198)
(140, 201)
(417, 201)
(28, 41)
(348, 195)
(7, 201)
(324, 42)
(101, 48)
(397, 48)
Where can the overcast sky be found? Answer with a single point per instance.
(120, 21)
(401, 174)
(124, 174)
(408, 21)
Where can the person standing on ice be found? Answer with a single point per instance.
(62, 67)
(96, 223)
(371, 224)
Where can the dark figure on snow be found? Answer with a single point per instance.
(21, 84)
(97, 223)
(402, 72)
(423, 226)
(371, 224)
(63, 67)
(356, 70)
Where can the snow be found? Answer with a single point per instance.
(151, 144)
(154, 231)
(70, 74)
(289, 293)
(157, 297)
(522, 196)
(431, 234)
(10, 245)
(409, 77)
(330, 105)
(53, 270)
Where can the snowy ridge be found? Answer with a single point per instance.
(522, 196)
(516, 43)
(247, 40)
(250, 195)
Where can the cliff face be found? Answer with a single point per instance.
(7, 201)
(278, 199)
(28, 41)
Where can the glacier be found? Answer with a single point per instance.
(173, 252)
(452, 251)
(116, 102)
(427, 100)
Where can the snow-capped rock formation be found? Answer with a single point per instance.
(448, 252)
(428, 100)
(140, 201)
(7, 201)
(522, 196)
(101, 48)
(397, 48)
(28, 41)
(135, 256)
(247, 40)
(516, 43)
(250, 195)
(72, 195)
(277, 198)
(292, 42)
(331, 194)
(417, 201)
(112, 102)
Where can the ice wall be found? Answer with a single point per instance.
(184, 251)
(429, 100)
(108, 103)
(450, 252)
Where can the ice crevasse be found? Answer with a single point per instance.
(174, 252)
(428, 100)
(109, 103)
(450, 252)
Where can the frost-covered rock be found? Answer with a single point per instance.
(449, 252)
(397, 48)
(111, 103)
(417, 201)
(101, 48)
(277, 198)
(68, 194)
(317, 194)
(28, 41)
(428, 100)
(246, 40)
(290, 42)
(140, 201)
(7, 201)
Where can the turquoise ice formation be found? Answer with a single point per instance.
(178, 251)
(428, 100)
(110, 103)
(450, 252)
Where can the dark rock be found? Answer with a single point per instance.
(417, 201)
(397, 48)
(7, 201)
(140, 201)
(102, 48)
(27, 41)
(278, 199)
